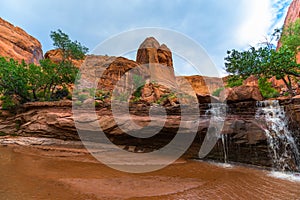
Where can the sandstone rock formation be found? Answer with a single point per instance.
(107, 71)
(17, 44)
(164, 56)
(159, 80)
(158, 59)
(241, 93)
(244, 135)
(55, 55)
(157, 71)
(152, 92)
(201, 85)
(150, 51)
(114, 73)
(279, 85)
(147, 52)
(293, 12)
(251, 81)
(154, 67)
(292, 15)
(44, 119)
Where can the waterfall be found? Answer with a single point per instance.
(282, 145)
(217, 113)
(225, 147)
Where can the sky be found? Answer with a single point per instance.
(216, 25)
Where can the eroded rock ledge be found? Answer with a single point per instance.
(245, 136)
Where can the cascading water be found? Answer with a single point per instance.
(282, 146)
(217, 113)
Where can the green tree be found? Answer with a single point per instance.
(70, 49)
(30, 82)
(13, 79)
(264, 62)
(54, 75)
(266, 89)
(23, 82)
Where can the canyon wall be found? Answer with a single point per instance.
(243, 134)
(292, 15)
(17, 44)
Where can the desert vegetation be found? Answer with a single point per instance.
(46, 81)
(265, 62)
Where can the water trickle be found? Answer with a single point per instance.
(225, 147)
(282, 145)
(217, 113)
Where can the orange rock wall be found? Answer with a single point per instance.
(17, 44)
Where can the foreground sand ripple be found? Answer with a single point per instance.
(62, 173)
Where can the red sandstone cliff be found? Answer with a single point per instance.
(17, 44)
(293, 12)
(292, 15)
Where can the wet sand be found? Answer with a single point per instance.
(39, 172)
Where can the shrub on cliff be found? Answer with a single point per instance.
(217, 92)
(290, 36)
(266, 89)
(234, 81)
(21, 82)
(264, 62)
(30, 82)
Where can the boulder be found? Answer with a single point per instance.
(251, 81)
(17, 44)
(241, 93)
(153, 93)
(55, 55)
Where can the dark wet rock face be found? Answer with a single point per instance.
(243, 139)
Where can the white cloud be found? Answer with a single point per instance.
(261, 18)
(216, 25)
(257, 22)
